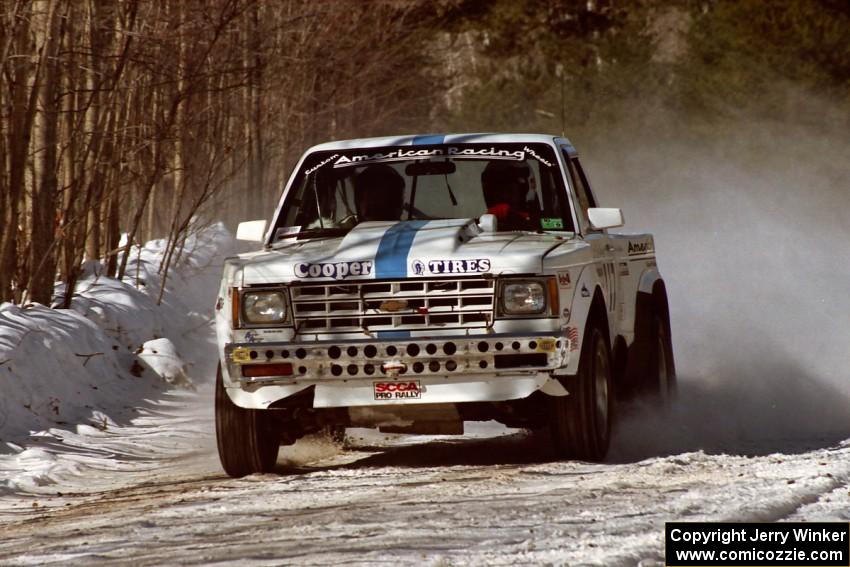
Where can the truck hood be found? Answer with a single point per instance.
(406, 249)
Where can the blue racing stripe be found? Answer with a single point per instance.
(391, 258)
(430, 139)
(393, 334)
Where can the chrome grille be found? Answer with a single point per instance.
(393, 305)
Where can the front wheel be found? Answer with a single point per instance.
(248, 440)
(580, 423)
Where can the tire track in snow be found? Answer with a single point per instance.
(491, 501)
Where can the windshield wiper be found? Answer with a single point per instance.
(315, 233)
(451, 193)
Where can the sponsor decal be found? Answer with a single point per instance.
(566, 313)
(485, 152)
(251, 337)
(403, 154)
(624, 268)
(395, 155)
(545, 345)
(404, 390)
(572, 335)
(584, 291)
(644, 247)
(534, 154)
(321, 164)
(474, 266)
(335, 270)
(564, 279)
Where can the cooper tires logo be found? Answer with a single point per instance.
(439, 267)
(335, 270)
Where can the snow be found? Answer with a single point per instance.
(94, 370)
(108, 453)
(449, 502)
(162, 358)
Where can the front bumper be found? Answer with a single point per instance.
(251, 365)
(446, 369)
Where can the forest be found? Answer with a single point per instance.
(127, 120)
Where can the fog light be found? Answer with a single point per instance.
(240, 355)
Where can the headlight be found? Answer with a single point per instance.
(260, 307)
(523, 298)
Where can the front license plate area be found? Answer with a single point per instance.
(397, 390)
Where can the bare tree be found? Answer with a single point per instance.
(130, 119)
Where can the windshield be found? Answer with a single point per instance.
(520, 184)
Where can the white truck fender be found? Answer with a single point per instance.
(573, 329)
(648, 279)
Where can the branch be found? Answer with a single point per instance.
(88, 356)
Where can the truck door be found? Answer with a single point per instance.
(598, 239)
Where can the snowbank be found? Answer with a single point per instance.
(89, 369)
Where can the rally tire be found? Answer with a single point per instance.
(248, 440)
(661, 371)
(580, 423)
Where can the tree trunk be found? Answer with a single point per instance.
(20, 132)
(256, 196)
(44, 201)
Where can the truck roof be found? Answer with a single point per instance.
(428, 139)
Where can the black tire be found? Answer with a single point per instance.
(661, 371)
(248, 440)
(580, 423)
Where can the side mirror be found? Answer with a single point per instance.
(251, 231)
(487, 222)
(605, 218)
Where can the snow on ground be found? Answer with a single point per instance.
(78, 385)
(447, 502)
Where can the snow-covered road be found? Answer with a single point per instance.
(489, 497)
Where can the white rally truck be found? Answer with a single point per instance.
(413, 283)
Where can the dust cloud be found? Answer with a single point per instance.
(752, 227)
